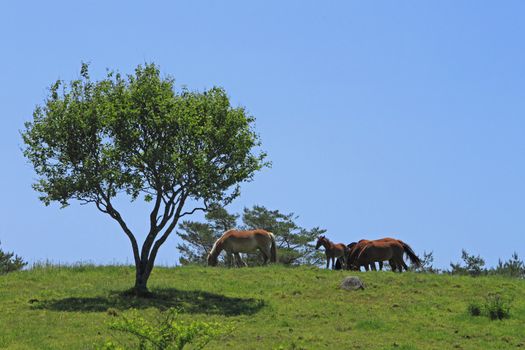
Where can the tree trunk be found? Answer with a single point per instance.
(141, 281)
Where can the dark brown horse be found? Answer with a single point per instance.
(355, 249)
(385, 249)
(340, 261)
(235, 242)
(332, 250)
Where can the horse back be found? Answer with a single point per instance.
(240, 234)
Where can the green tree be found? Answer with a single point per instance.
(135, 135)
(10, 262)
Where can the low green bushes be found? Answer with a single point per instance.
(495, 307)
(169, 332)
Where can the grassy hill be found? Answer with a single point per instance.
(272, 307)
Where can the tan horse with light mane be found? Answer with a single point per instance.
(234, 242)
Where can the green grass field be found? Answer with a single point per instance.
(271, 307)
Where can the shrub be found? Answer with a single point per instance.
(10, 262)
(497, 307)
(474, 309)
(474, 265)
(167, 333)
(514, 267)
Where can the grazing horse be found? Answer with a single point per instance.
(340, 261)
(355, 249)
(385, 249)
(234, 242)
(331, 250)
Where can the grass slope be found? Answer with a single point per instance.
(272, 307)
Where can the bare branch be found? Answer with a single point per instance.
(205, 208)
(155, 211)
(169, 208)
(102, 207)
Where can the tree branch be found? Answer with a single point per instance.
(205, 208)
(162, 239)
(155, 211)
(169, 209)
(111, 211)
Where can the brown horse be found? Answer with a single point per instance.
(341, 260)
(355, 249)
(234, 242)
(386, 249)
(332, 250)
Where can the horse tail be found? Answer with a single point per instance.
(353, 253)
(413, 257)
(361, 255)
(273, 248)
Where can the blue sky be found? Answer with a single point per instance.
(382, 118)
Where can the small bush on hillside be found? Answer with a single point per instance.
(167, 333)
(474, 265)
(474, 309)
(10, 262)
(497, 307)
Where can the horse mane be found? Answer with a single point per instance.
(324, 238)
(217, 246)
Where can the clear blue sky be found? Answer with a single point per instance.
(382, 118)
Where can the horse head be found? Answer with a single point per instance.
(320, 241)
(212, 260)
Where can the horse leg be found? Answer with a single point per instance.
(380, 266)
(234, 261)
(400, 263)
(393, 265)
(373, 266)
(327, 261)
(231, 261)
(241, 263)
(266, 255)
(342, 263)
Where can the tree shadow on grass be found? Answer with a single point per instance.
(194, 301)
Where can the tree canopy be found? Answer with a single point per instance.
(135, 135)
